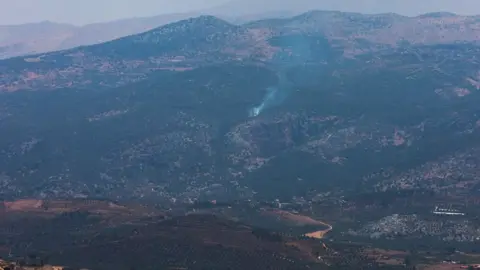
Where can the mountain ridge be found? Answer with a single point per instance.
(181, 49)
(23, 43)
(75, 36)
(215, 40)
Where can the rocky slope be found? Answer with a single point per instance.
(203, 109)
(314, 35)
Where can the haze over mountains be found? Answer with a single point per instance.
(49, 36)
(350, 34)
(31, 38)
(17, 40)
(406, 8)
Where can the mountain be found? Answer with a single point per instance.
(177, 46)
(186, 44)
(202, 109)
(32, 38)
(404, 7)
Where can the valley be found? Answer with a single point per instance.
(324, 140)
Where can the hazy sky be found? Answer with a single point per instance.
(88, 11)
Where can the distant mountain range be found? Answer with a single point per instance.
(186, 44)
(403, 7)
(47, 36)
(32, 38)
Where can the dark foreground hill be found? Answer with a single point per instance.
(101, 234)
(203, 109)
(102, 237)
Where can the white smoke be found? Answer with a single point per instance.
(255, 111)
(275, 95)
(272, 98)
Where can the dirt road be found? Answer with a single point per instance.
(320, 234)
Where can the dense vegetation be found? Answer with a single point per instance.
(109, 142)
(166, 117)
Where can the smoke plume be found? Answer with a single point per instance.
(274, 95)
(296, 51)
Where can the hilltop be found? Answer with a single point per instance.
(194, 42)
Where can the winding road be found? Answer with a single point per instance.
(320, 234)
